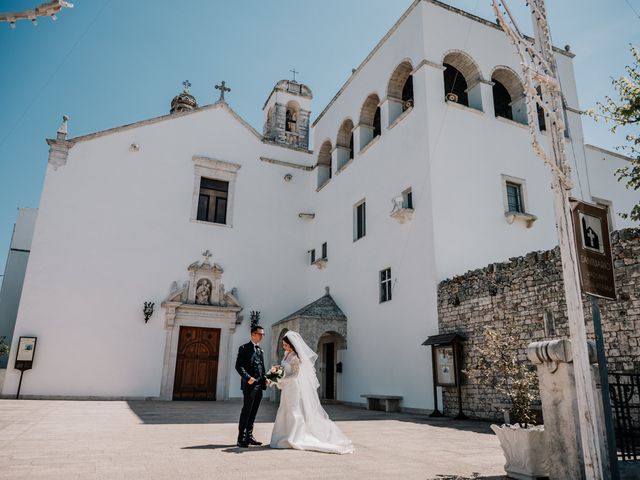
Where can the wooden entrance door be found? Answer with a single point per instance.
(197, 364)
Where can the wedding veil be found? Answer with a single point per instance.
(307, 372)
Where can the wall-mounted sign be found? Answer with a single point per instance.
(26, 351)
(593, 249)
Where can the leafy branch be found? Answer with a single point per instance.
(623, 112)
(494, 363)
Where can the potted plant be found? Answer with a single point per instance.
(493, 361)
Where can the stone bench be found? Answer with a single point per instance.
(387, 403)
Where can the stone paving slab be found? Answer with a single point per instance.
(82, 440)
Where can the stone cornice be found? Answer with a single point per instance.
(171, 116)
(286, 164)
(217, 164)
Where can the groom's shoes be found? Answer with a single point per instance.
(252, 441)
(243, 444)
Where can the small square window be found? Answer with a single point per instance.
(514, 197)
(324, 251)
(385, 285)
(360, 221)
(312, 255)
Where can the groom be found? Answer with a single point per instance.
(250, 366)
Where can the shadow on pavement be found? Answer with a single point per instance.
(474, 476)
(209, 447)
(228, 412)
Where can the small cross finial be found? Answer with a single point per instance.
(294, 73)
(222, 89)
(186, 84)
(207, 255)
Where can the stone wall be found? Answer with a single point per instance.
(528, 294)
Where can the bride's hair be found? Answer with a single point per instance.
(288, 342)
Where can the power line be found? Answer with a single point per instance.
(52, 76)
(632, 9)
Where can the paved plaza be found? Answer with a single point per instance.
(196, 440)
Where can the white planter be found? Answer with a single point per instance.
(524, 450)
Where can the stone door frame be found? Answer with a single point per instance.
(206, 316)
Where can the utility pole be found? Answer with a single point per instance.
(539, 69)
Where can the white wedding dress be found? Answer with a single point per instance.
(301, 422)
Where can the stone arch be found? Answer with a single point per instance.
(324, 163)
(510, 79)
(465, 64)
(508, 95)
(345, 133)
(291, 116)
(344, 143)
(368, 110)
(398, 80)
(370, 126)
(400, 90)
(462, 79)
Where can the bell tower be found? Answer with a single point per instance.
(286, 114)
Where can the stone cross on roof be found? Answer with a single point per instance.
(222, 89)
(294, 73)
(186, 84)
(207, 255)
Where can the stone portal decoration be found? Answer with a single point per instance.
(201, 302)
(203, 292)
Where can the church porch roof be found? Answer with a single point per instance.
(323, 308)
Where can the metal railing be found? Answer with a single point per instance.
(624, 389)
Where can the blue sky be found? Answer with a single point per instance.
(112, 62)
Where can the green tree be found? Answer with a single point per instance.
(624, 112)
(4, 348)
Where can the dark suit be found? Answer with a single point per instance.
(250, 364)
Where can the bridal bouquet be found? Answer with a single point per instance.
(275, 374)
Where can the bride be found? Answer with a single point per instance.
(301, 422)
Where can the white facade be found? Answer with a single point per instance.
(116, 224)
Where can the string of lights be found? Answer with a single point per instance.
(48, 9)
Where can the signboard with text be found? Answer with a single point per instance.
(26, 351)
(593, 249)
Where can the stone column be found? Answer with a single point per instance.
(364, 133)
(554, 362)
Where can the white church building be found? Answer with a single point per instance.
(420, 169)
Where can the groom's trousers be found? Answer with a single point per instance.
(252, 398)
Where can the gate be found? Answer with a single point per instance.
(624, 389)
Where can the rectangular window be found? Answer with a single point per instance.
(385, 285)
(514, 197)
(212, 202)
(407, 199)
(324, 251)
(312, 255)
(360, 218)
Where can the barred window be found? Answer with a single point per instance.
(514, 197)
